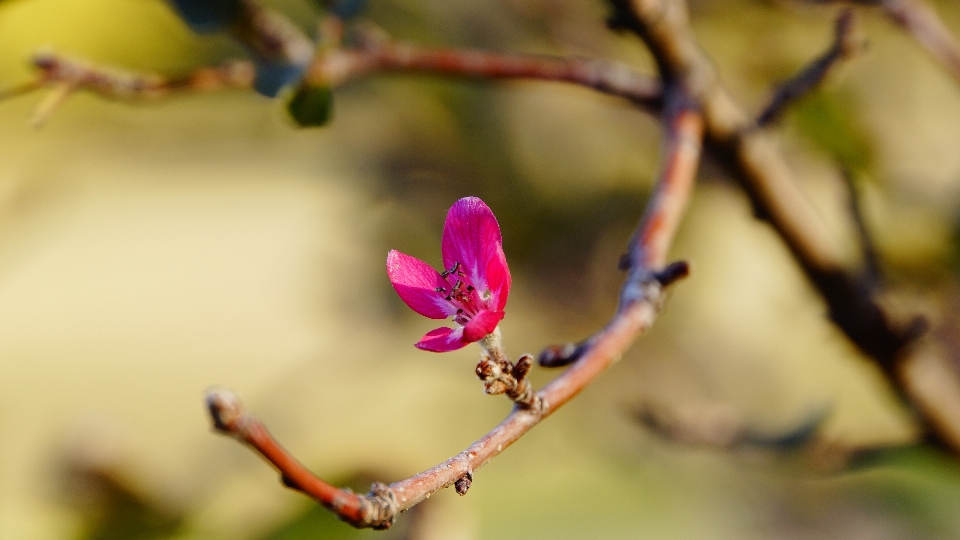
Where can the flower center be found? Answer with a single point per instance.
(462, 294)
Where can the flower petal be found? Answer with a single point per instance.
(498, 278)
(442, 340)
(482, 325)
(416, 282)
(471, 237)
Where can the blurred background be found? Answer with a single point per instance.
(151, 250)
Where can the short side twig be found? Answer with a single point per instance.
(847, 44)
(921, 21)
(65, 75)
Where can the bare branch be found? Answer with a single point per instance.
(751, 157)
(339, 65)
(640, 301)
(847, 44)
(682, 148)
(379, 508)
(65, 76)
(920, 20)
(336, 66)
(270, 35)
(229, 416)
(868, 247)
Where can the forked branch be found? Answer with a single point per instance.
(751, 157)
(640, 301)
(847, 44)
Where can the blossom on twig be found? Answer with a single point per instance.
(472, 289)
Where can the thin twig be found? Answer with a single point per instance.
(270, 35)
(868, 247)
(847, 44)
(338, 66)
(58, 71)
(640, 301)
(922, 22)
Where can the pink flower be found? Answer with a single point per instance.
(473, 288)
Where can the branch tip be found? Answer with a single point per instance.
(848, 43)
(672, 273)
(225, 409)
(560, 355)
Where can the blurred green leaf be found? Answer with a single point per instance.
(831, 122)
(311, 106)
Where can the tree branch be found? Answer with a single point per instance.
(65, 75)
(921, 21)
(336, 66)
(640, 302)
(847, 44)
(751, 157)
(340, 65)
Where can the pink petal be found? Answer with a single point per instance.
(481, 325)
(416, 282)
(498, 278)
(442, 340)
(471, 236)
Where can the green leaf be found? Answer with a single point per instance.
(311, 106)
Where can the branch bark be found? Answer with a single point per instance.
(340, 65)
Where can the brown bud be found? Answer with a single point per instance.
(522, 368)
(463, 484)
(560, 355)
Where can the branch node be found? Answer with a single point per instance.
(503, 377)
(379, 506)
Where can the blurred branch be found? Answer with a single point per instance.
(339, 65)
(847, 44)
(66, 75)
(751, 157)
(335, 66)
(868, 247)
(720, 425)
(270, 35)
(640, 301)
(922, 22)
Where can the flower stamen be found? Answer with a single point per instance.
(454, 270)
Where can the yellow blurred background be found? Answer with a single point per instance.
(151, 250)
